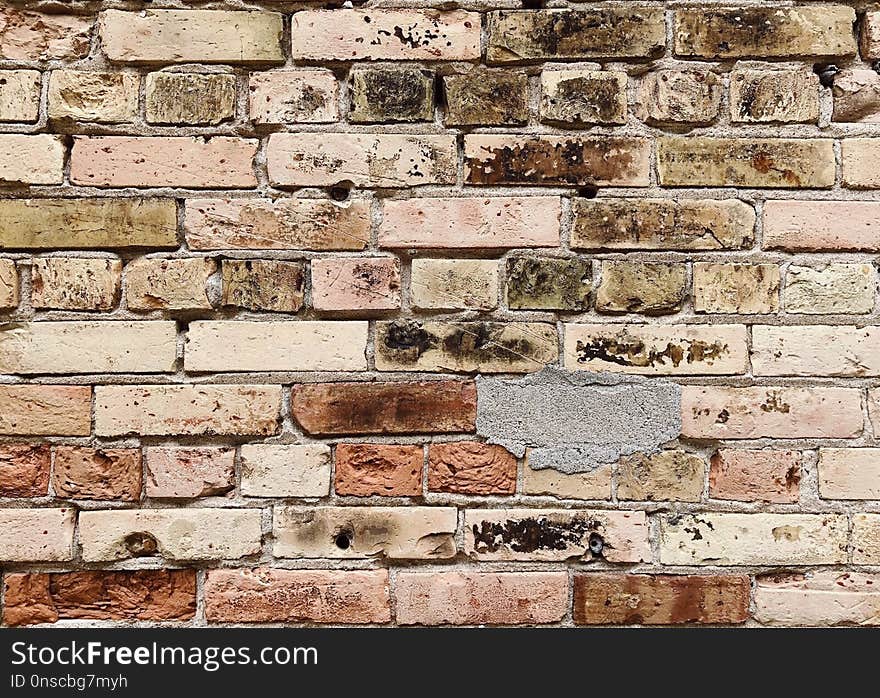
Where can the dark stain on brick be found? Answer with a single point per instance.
(141, 544)
(584, 100)
(633, 352)
(548, 283)
(392, 94)
(533, 534)
(407, 335)
(773, 403)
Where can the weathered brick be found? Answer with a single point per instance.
(753, 539)
(760, 96)
(301, 96)
(168, 284)
(556, 535)
(37, 535)
(263, 284)
(478, 598)
(582, 97)
(874, 409)
(821, 225)
(385, 34)
(391, 94)
(869, 42)
(266, 595)
(397, 533)
(473, 347)
(266, 224)
(45, 410)
(859, 156)
(849, 473)
(31, 159)
(29, 348)
(27, 600)
(34, 36)
(818, 599)
(746, 162)
(231, 345)
(189, 98)
(720, 412)
(663, 599)
(856, 96)
(157, 410)
(191, 36)
(454, 284)
(82, 95)
(548, 283)
(662, 224)
(772, 32)
(471, 467)
(556, 160)
(97, 473)
(75, 283)
(746, 289)
(486, 97)
(19, 95)
(679, 96)
(188, 473)
(815, 350)
(355, 284)
(24, 469)
(657, 349)
(276, 470)
(429, 407)
(766, 475)
(491, 223)
(614, 32)
(593, 484)
(163, 161)
(389, 470)
(651, 288)
(9, 285)
(832, 288)
(665, 476)
(866, 539)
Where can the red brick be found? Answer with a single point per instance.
(379, 469)
(94, 473)
(471, 467)
(755, 476)
(24, 470)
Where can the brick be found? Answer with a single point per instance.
(779, 163)
(651, 288)
(396, 533)
(168, 284)
(849, 473)
(50, 224)
(172, 534)
(75, 283)
(19, 95)
(874, 409)
(24, 469)
(363, 470)
(815, 350)
(30, 348)
(478, 598)
(484, 223)
(263, 284)
(832, 288)
(34, 36)
(593, 484)
(614, 32)
(141, 595)
(767, 96)
(163, 161)
(719, 412)
(45, 410)
(486, 97)
(657, 349)
(471, 467)
(191, 36)
(37, 535)
(858, 156)
(189, 98)
(391, 94)
(548, 283)
(856, 97)
(164, 410)
(726, 539)
(662, 599)
(583, 97)
(755, 476)
(472, 347)
(97, 473)
(301, 96)
(380, 34)
(454, 284)
(280, 224)
(81, 95)
(386, 160)
(429, 407)
(746, 289)
(355, 284)
(229, 345)
(665, 476)
(556, 160)
(662, 224)
(866, 539)
(31, 159)
(671, 96)
(869, 42)
(266, 595)
(818, 599)
(771, 32)
(9, 285)
(188, 473)
(276, 470)
(556, 535)
(821, 225)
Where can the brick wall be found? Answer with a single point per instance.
(253, 263)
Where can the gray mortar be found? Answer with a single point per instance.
(577, 422)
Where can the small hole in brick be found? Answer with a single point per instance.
(826, 73)
(343, 540)
(875, 66)
(597, 544)
(532, 4)
(588, 192)
(141, 544)
(341, 191)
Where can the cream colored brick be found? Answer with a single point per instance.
(866, 539)
(815, 350)
(746, 289)
(168, 284)
(86, 96)
(595, 484)
(37, 535)
(830, 289)
(455, 284)
(9, 288)
(860, 157)
(75, 283)
(301, 96)
(672, 475)
(189, 98)
(849, 473)
(19, 95)
(818, 599)
(270, 470)
(31, 159)
(46, 410)
(582, 97)
(760, 96)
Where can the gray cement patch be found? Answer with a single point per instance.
(577, 422)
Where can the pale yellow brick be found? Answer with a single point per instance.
(168, 284)
(189, 98)
(866, 539)
(833, 288)
(75, 283)
(87, 96)
(9, 287)
(815, 350)
(281, 470)
(849, 473)
(746, 289)
(595, 484)
(455, 284)
(31, 159)
(19, 95)
(37, 535)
